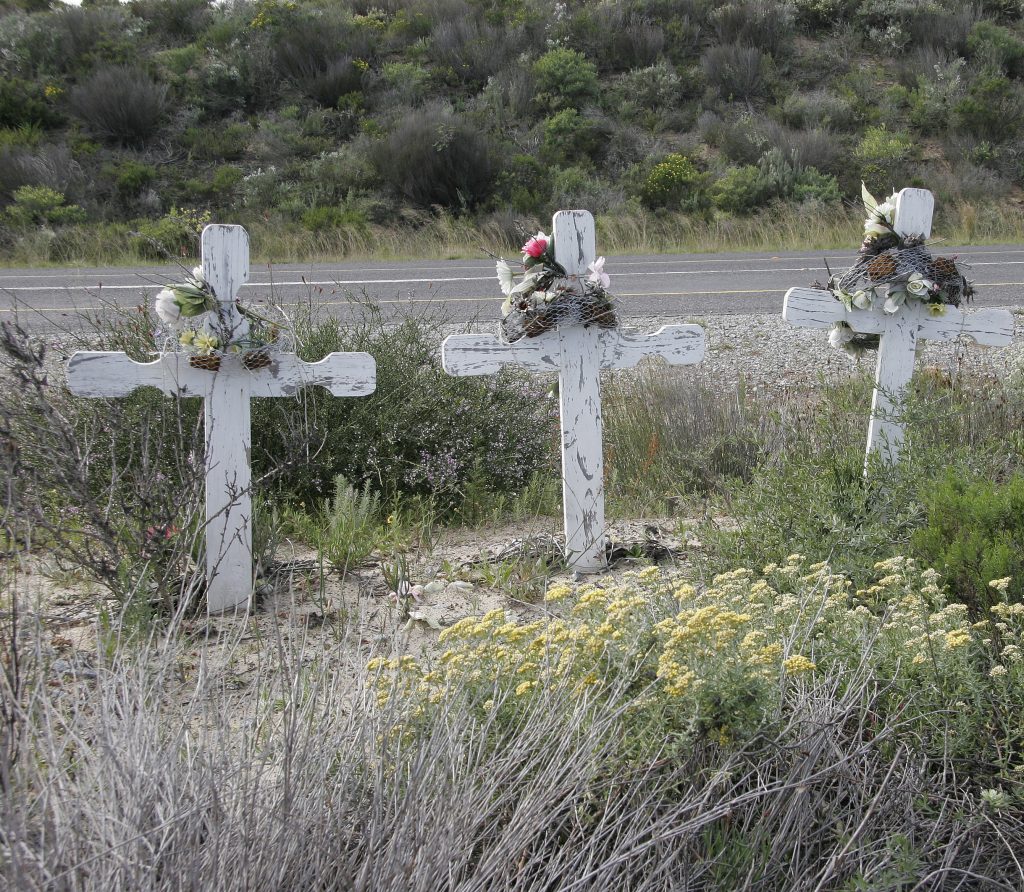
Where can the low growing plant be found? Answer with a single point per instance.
(347, 529)
(974, 533)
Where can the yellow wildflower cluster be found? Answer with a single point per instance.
(704, 654)
(797, 665)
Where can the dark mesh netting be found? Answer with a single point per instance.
(561, 304)
(896, 266)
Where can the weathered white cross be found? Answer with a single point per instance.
(226, 394)
(578, 353)
(899, 331)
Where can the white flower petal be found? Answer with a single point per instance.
(167, 308)
(506, 278)
(869, 200)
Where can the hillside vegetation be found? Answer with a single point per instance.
(420, 126)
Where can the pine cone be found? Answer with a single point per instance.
(943, 268)
(256, 359)
(882, 267)
(209, 363)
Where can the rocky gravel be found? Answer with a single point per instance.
(766, 352)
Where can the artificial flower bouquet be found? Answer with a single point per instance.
(546, 295)
(196, 323)
(892, 270)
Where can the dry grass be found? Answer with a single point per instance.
(298, 782)
(442, 235)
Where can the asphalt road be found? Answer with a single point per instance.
(689, 285)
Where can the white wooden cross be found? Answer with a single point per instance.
(226, 394)
(899, 331)
(578, 353)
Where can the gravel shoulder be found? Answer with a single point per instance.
(766, 352)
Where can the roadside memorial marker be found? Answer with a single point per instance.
(898, 327)
(578, 352)
(226, 387)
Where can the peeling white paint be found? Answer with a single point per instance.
(899, 331)
(577, 353)
(226, 394)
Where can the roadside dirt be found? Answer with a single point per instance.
(302, 615)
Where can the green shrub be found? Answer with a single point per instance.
(813, 185)
(675, 182)
(434, 156)
(657, 87)
(742, 190)
(217, 142)
(578, 187)
(25, 103)
(176, 234)
(421, 433)
(131, 177)
(571, 139)
(524, 184)
(737, 72)
(883, 157)
(27, 136)
(816, 15)
(993, 109)
(409, 80)
(41, 206)
(974, 533)
(320, 219)
(820, 505)
(935, 93)
(225, 178)
(120, 103)
(989, 42)
(347, 528)
(564, 79)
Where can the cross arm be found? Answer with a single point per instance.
(812, 308)
(94, 373)
(678, 344)
(485, 354)
(816, 308)
(992, 327)
(343, 374)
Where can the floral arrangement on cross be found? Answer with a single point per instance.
(892, 270)
(547, 296)
(196, 323)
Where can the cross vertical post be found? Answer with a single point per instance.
(579, 400)
(577, 352)
(228, 431)
(897, 346)
(226, 393)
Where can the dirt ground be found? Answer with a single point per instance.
(302, 614)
